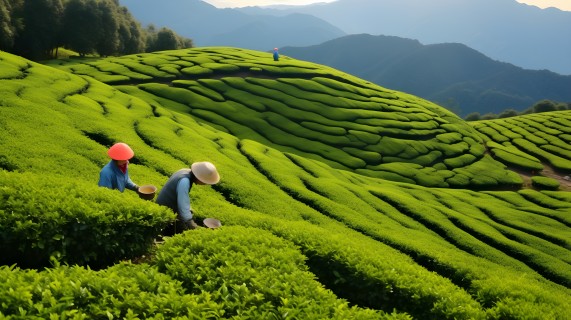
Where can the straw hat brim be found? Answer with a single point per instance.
(205, 172)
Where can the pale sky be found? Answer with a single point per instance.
(561, 4)
(246, 3)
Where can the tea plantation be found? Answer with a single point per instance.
(339, 199)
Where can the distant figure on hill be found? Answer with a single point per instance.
(175, 194)
(115, 174)
(276, 54)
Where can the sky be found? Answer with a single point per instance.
(561, 4)
(246, 3)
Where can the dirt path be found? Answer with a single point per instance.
(548, 171)
(564, 180)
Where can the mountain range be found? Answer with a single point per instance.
(450, 74)
(505, 30)
(207, 25)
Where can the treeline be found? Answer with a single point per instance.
(541, 106)
(35, 29)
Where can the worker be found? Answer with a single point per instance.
(175, 194)
(276, 54)
(115, 174)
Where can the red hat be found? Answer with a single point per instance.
(120, 151)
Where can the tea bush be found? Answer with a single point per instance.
(50, 217)
(511, 156)
(124, 291)
(542, 136)
(253, 274)
(545, 183)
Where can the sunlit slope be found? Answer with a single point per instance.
(421, 252)
(532, 141)
(310, 110)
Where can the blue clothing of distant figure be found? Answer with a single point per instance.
(276, 55)
(175, 194)
(113, 178)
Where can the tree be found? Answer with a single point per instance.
(489, 116)
(474, 116)
(150, 37)
(544, 106)
(7, 26)
(107, 38)
(508, 113)
(131, 35)
(186, 43)
(40, 34)
(166, 40)
(34, 28)
(80, 26)
(562, 106)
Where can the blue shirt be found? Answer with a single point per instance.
(113, 178)
(175, 194)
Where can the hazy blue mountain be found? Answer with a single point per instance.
(210, 26)
(451, 74)
(505, 30)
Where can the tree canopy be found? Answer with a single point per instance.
(538, 107)
(35, 29)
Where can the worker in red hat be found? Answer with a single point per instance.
(115, 174)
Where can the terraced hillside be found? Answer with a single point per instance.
(303, 236)
(310, 110)
(532, 143)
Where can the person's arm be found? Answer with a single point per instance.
(131, 185)
(183, 199)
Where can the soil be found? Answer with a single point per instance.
(548, 171)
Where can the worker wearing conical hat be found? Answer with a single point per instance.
(115, 174)
(175, 194)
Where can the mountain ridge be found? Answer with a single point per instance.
(499, 29)
(450, 74)
(210, 26)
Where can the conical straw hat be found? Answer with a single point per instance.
(205, 172)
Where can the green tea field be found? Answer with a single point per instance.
(339, 199)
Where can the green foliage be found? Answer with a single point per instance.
(512, 156)
(540, 137)
(252, 274)
(124, 291)
(308, 110)
(38, 29)
(49, 217)
(299, 236)
(545, 183)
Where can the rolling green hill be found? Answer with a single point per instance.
(339, 199)
(310, 110)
